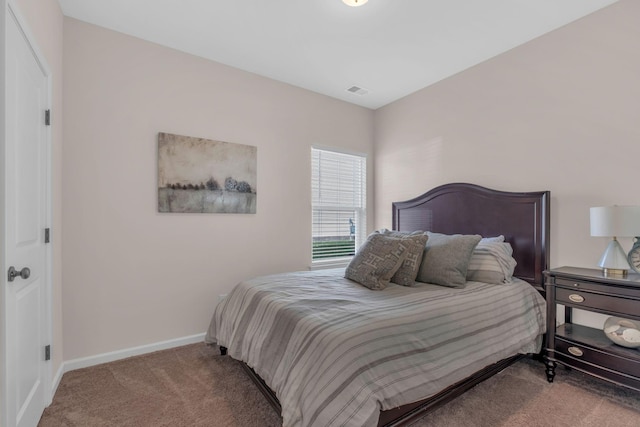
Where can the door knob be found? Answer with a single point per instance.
(13, 273)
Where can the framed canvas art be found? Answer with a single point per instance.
(197, 175)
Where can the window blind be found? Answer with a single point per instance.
(338, 185)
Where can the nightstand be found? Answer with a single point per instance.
(583, 348)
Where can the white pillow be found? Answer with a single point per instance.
(498, 239)
(491, 262)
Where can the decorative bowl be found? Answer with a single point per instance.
(623, 332)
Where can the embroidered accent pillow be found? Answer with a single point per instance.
(376, 261)
(408, 271)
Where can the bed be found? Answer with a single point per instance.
(327, 351)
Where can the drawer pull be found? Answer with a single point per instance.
(575, 351)
(576, 298)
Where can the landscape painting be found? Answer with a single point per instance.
(197, 175)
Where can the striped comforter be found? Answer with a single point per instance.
(336, 353)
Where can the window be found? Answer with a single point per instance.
(338, 185)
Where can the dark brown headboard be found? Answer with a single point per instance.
(523, 219)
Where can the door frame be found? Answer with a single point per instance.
(10, 11)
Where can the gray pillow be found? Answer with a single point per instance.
(408, 271)
(376, 261)
(446, 259)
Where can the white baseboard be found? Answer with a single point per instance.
(56, 380)
(85, 362)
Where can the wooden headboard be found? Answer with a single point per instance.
(523, 219)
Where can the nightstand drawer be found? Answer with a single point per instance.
(578, 351)
(600, 302)
(583, 285)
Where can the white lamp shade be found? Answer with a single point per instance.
(615, 221)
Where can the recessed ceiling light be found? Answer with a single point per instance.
(355, 3)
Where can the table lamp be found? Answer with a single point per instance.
(615, 221)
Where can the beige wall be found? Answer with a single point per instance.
(133, 276)
(561, 113)
(45, 21)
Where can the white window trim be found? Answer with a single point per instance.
(362, 228)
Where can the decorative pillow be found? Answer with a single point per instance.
(491, 262)
(408, 271)
(446, 259)
(376, 261)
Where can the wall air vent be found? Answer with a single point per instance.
(358, 90)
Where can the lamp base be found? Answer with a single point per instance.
(614, 272)
(614, 261)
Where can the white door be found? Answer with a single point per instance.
(27, 295)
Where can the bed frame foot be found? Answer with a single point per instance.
(551, 369)
(223, 351)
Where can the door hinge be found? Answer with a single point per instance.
(47, 117)
(47, 235)
(47, 352)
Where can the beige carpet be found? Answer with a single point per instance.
(195, 386)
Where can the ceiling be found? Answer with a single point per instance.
(389, 48)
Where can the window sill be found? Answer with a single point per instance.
(332, 263)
